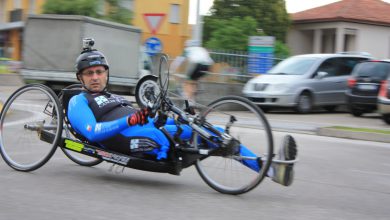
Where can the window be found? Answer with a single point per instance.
(339, 66)
(174, 16)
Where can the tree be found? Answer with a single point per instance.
(271, 16)
(115, 11)
(71, 7)
(118, 13)
(233, 34)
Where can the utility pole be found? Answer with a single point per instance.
(198, 29)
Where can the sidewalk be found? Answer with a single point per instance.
(9, 82)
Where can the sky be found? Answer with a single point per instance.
(292, 6)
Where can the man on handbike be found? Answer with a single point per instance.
(111, 122)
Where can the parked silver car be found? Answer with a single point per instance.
(303, 82)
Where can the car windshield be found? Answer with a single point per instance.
(293, 66)
(373, 69)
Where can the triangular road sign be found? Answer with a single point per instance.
(154, 21)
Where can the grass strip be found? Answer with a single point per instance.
(370, 130)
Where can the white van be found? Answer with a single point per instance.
(303, 82)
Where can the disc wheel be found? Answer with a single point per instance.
(31, 127)
(146, 88)
(76, 157)
(228, 174)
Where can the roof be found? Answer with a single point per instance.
(360, 11)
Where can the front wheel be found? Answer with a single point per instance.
(237, 173)
(31, 127)
(146, 89)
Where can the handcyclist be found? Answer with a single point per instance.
(198, 62)
(111, 122)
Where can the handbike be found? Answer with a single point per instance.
(231, 144)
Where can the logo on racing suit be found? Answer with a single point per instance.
(101, 101)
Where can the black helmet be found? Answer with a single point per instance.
(90, 58)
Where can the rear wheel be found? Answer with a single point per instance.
(31, 123)
(246, 123)
(76, 157)
(79, 158)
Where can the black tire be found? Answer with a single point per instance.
(265, 109)
(330, 108)
(31, 122)
(146, 87)
(386, 118)
(304, 103)
(355, 111)
(253, 131)
(78, 158)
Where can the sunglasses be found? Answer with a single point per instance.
(90, 72)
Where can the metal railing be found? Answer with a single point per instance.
(234, 64)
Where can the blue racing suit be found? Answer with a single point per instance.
(102, 119)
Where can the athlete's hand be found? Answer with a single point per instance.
(140, 117)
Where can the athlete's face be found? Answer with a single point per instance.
(94, 78)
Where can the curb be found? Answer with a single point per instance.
(357, 135)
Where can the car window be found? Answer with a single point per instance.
(339, 66)
(293, 66)
(369, 69)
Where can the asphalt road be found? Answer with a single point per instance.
(335, 179)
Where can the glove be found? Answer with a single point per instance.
(140, 117)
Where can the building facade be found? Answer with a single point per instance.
(12, 16)
(166, 20)
(347, 25)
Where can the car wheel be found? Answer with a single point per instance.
(304, 103)
(355, 111)
(265, 109)
(330, 108)
(386, 118)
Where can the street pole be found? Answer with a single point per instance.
(197, 33)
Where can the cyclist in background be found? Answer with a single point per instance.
(198, 64)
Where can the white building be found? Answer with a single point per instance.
(347, 25)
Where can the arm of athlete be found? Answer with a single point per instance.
(84, 122)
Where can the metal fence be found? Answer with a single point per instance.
(234, 64)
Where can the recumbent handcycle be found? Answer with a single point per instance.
(231, 145)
